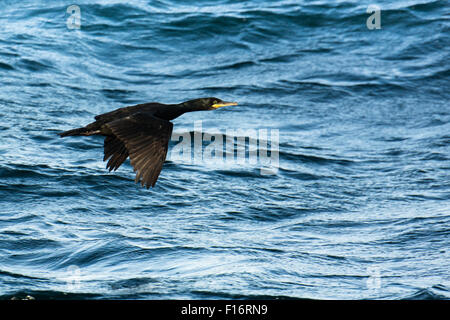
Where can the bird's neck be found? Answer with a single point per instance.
(170, 112)
(191, 105)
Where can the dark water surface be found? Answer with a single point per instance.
(360, 205)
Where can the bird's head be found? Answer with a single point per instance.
(207, 104)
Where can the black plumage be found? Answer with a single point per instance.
(142, 133)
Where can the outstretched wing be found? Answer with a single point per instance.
(146, 139)
(115, 151)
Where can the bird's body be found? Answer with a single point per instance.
(141, 132)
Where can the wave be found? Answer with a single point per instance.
(436, 292)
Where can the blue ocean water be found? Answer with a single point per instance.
(360, 205)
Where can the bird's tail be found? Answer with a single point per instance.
(75, 132)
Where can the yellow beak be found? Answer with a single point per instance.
(224, 104)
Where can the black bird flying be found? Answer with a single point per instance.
(141, 132)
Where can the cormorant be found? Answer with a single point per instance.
(141, 132)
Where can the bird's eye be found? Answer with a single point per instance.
(215, 102)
